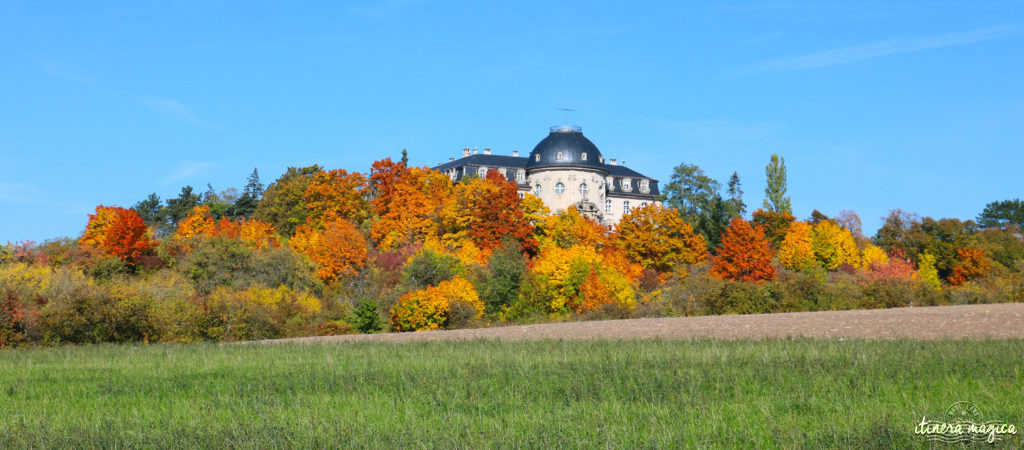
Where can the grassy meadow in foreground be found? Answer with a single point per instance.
(788, 393)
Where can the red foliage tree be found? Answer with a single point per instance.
(495, 213)
(745, 254)
(119, 232)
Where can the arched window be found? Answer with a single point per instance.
(583, 156)
(625, 207)
(537, 190)
(536, 157)
(559, 188)
(583, 189)
(608, 206)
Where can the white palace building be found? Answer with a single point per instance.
(565, 170)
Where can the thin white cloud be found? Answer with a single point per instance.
(18, 192)
(170, 107)
(187, 169)
(847, 55)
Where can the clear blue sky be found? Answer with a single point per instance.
(912, 105)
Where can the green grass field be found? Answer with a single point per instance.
(623, 394)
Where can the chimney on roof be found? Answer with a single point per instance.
(515, 153)
(474, 150)
(465, 152)
(487, 151)
(611, 161)
(451, 159)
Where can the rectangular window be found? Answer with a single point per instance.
(583, 156)
(521, 176)
(482, 171)
(625, 207)
(645, 186)
(607, 206)
(560, 156)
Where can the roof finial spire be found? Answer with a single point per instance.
(566, 111)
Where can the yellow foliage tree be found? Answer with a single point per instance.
(926, 270)
(427, 309)
(795, 251)
(579, 279)
(873, 256)
(834, 246)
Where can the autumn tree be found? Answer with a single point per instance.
(745, 254)
(485, 210)
(340, 193)
(408, 205)
(257, 234)
(198, 223)
(972, 264)
(568, 228)
(775, 224)
(872, 255)
(658, 238)
(282, 203)
(338, 248)
(834, 246)
(894, 267)
(577, 279)
(119, 232)
(775, 199)
(795, 251)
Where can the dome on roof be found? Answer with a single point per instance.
(565, 146)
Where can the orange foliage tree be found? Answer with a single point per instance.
(745, 254)
(119, 232)
(795, 251)
(198, 223)
(972, 264)
(658, 238)
(340, 193)
(408, 206)
(895, 267)
(258, 234)
(774, 223)
(579, 279)
(338, 248)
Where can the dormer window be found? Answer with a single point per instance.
(645, 186)
(611, 184)
(536, 157)
(583, 156)
(627, 185)
(560, 156)
(600, 159)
